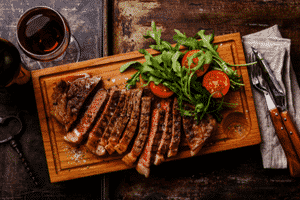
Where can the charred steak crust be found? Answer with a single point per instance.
(176, 130)
(99, 146)
(103, 121)
(69, 97)
(132, 124)
(146, 159)
(113, 119)
(121, 124)
(80, 131)
(167, 134)
(143, 133)
(197, 133)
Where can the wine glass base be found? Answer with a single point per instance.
(71, 55)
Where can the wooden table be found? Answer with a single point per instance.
(233, 174)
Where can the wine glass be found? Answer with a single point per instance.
(44, 35)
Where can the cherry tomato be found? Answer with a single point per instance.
(216, 80)
(184, 63)
(160, 90)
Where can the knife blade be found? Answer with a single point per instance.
(280, 99)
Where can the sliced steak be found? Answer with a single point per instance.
(132, 124)
(143, 133)
(100, 146)
(149, 152)
(176, 130)
(167, 133)
(197, 133)
(80, 131)
(103, 121)
(68, 97)
(112, 122)
(121, 123)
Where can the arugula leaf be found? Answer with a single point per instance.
(166, 69)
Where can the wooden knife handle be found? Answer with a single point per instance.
(292, 130)
(284, 139)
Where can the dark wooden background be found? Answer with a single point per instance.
(233, 174)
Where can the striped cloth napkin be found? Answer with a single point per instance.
(276, 51)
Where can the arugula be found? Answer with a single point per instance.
(166, 69)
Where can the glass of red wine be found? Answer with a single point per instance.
(44, 35)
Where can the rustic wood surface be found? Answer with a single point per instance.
(233, 174)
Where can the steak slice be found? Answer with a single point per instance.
(121, 123)
(99, 128)
(69, 96)
(142, 136)
(167, 133)
(81, 129)
(149, 152)
(197, 133)
(104, 139)
(131, 126)
(176, 130)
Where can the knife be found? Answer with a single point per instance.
(279, 97)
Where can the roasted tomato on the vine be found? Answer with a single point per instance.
(184, 63)
(216, 82)
(160, 90)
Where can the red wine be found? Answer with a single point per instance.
(41, 31)
(10, 61)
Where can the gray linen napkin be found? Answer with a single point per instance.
(276, 51)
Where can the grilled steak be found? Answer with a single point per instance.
(167, 133)
(132, 125)
(121, 123)
(69, 96)
(143, 133)
(81, 129)
(176, 130)
(103, 121)
(104, 139)
(149, 152)
(197, 133)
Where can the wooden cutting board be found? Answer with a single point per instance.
(239, 127)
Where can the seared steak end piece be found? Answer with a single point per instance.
(197, 133)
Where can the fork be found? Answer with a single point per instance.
(260, 84)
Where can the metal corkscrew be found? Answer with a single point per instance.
(9, 136)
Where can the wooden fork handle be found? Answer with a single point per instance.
(284, 139)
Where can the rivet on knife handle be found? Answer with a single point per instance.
(292, 130)
(284, 139)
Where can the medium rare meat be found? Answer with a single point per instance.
(176, 130)
(121, 123)
(112, 123)
(81, 129)
(98, 130)
(149, 152)
(167, 133)
(69, 96)
(132, 125)
(197, 133)
(143, 133)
